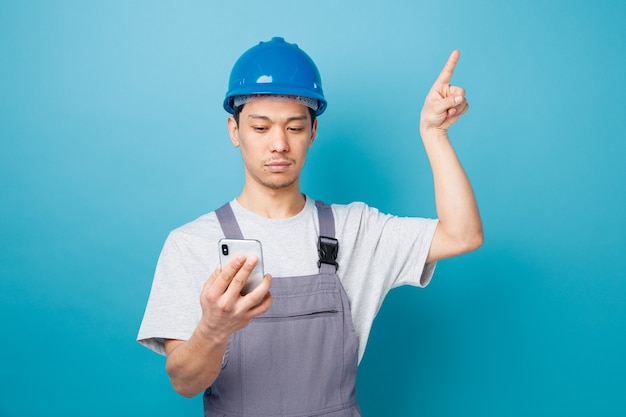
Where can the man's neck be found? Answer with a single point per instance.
(273, 204)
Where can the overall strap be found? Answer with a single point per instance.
(327, 245)
(229, 224)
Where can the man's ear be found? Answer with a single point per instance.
(233, 131)
(313, 133)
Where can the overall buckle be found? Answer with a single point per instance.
(327, 248)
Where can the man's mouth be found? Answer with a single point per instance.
(278, 166)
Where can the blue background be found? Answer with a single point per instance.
(112, 133)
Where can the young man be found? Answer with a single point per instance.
(291, 346)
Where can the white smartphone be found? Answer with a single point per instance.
(230, 248)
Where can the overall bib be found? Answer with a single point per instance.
(298, 359)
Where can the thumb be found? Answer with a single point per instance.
(446, 104)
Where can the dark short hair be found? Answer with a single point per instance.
(237, 110)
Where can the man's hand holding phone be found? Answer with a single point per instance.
(224, 308)
(194, 364)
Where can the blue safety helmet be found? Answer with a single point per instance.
(275, 67)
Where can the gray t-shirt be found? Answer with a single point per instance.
(377, 252)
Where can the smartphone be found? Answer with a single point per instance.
(230, 248)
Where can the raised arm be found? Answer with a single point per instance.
(460, 227)
(194, 364)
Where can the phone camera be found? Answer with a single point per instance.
(225, 249)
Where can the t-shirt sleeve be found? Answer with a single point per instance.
(391, 248)
(404, 244)
(173, 307)
(412, 238)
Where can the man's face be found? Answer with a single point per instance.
(274, 138)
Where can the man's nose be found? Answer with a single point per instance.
(279, 141)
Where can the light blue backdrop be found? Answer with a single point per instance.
(112, 133)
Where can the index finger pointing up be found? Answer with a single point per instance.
(448, 69)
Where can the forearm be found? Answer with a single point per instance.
(193, 365)
(457, 210)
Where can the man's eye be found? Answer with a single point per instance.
(296, 129)
(259, 128)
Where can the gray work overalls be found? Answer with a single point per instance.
(300, 357)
